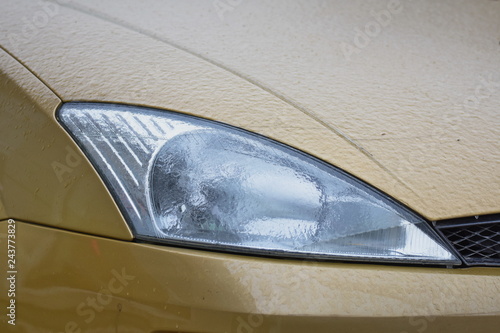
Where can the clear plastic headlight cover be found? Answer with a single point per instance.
(188, 181)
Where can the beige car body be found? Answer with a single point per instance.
(413, 111)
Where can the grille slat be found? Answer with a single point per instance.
(476, 239)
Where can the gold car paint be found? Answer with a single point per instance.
(170, 289)
(413, 113)
(82, 57)
(44, 177)
(88, 283)
(413, 85)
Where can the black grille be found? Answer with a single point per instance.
(476, 239)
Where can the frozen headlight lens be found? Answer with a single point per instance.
(185, 180)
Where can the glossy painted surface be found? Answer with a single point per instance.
(77, 269)
(43, 175)
(87, 283)
(397, 114)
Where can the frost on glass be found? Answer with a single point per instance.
(185, 180)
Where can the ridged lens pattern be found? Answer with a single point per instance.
(192, 182)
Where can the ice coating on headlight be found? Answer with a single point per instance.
(183, 180)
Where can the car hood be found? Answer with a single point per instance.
(404, 95)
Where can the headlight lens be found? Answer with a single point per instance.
(184, 180)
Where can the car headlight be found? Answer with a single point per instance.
(184, 180)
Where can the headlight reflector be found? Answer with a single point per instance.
(190, 181)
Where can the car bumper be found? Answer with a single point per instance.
(84, 283)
